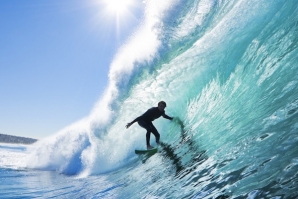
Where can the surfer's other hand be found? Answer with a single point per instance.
(128, 125)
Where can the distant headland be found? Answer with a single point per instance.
(16, 139)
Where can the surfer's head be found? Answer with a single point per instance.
(162, 105)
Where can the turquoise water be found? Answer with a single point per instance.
(228, 72)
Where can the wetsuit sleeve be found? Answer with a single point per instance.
(166, 116)
(136, 120)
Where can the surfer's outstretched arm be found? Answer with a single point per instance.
(129, 124)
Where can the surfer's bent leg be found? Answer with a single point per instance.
(150, 129)
(155, 132)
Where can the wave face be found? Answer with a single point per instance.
(228, 72)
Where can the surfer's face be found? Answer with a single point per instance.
(161, 107)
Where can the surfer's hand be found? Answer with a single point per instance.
(179, 121)
(128, 125)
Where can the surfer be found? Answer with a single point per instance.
(146, 119)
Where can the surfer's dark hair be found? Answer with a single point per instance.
(162, 102)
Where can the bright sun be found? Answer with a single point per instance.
(117, 7)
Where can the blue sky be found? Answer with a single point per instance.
(54, 60)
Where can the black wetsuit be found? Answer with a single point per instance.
(146, 119)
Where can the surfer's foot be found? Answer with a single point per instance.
(149, 147)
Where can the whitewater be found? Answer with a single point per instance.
(228, 71)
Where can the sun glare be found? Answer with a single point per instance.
(117, 16)
(118, 7)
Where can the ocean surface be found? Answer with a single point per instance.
(228, 71)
